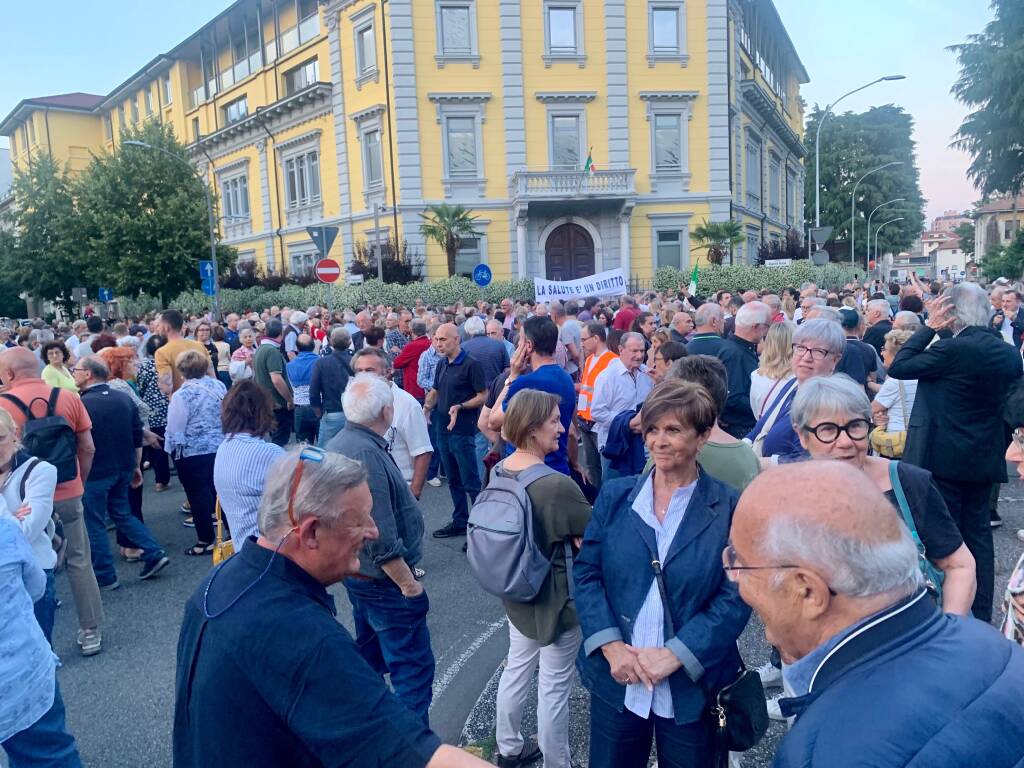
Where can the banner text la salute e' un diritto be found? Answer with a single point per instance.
(608, 283)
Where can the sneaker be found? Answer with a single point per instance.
(111, 586)
(774, 710)
(450, 531)
(418, 572)
(434, 482)
(89, 642)
(188, 522)
(153, 567)
(995, 520)
(771, 676)
(528, 754)
(185, 509)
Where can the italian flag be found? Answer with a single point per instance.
(588, 167)
(693, 281)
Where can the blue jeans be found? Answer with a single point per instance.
(392, 635)
(435, 457)
(482, 446)
(45, 607)
(109, 496)
(46, 743)
(458, 454)
(330, 425)
(623, 740)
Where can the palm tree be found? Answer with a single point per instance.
(448, 225)
(718, 238)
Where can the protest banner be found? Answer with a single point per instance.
(608, 283)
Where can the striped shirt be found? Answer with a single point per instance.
(239, 473)
(649, 626)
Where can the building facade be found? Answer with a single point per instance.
(583, 134)
(997, 223)
(949, 221)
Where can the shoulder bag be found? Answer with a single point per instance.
(738, 710)
(933, 577)
(773, 415)
(891, 444)
(222, 549)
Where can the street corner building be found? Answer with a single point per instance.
(584, 135)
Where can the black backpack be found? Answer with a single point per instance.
(49, 437)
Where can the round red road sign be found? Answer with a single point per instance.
(327, 270)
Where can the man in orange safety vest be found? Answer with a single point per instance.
(593, 336)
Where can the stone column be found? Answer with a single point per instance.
(624, 245)
(521, 246)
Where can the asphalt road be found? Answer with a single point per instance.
(120, 702)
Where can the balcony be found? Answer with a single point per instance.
(572, 185)
(765, 103)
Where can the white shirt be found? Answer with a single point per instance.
(649, 626)
(39, 488)
(889, 396)
(407, 437)
(617, 390)
(761, 387)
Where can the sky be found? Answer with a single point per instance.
(94, 46)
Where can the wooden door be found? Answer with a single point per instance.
(569, 253)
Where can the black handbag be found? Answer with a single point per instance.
(738, 711)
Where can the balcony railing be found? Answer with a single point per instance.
(557, 185)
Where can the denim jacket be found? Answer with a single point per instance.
(613, 576)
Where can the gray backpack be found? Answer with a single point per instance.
(503, 552)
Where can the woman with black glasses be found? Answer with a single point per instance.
(832, 417)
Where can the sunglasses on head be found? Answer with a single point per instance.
(309, 453)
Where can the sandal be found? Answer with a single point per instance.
(198, 550)
(418, 572)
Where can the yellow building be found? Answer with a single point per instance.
(361, 114)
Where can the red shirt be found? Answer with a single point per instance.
(624, 318)
(69, 405)
(408, 360)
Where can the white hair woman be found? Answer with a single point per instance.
(832, 417)
(816, 349)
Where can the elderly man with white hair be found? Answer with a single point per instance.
(389, 606)
(833, 572)
(739, 355)
(707, 336)
(876, 320)
(267, 676)
(957, 431)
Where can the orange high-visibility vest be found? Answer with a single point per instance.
(591, 370)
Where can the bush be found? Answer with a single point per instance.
(399, 265)
(715, 278)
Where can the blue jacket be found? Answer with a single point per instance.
(624, 448)
(913, 687)
(613, 575)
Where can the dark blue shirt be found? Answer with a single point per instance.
(276, 680)
(457, 382)
(328, 381)
(553, 380)
(116, 430)
(704, 344)
(490, 353)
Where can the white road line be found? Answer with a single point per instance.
(442, 682)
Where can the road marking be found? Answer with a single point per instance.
(442, 682)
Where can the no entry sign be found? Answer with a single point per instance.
(327, 270)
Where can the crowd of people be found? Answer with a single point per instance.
(830, 459)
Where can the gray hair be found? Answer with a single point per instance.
(879, 304)
(365, 398)
(773, 301)
(42, 335)
(828, 394)
(376, 352)
(321, 485)
(95, 365)
(340, 339)
(753, 313)
(970, 305)
(824, 312)
(707, 313)
(906, 319)
(418, 327)
(851, 565)
(474, 326)
(631, 336)
(828, 332)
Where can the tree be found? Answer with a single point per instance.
(991, 83)
(41, 254)
(142, 218)
(851, 145)
(11, 303)
(718, 238)
(447, 225)
(1005, 260)
(398, 265)
(966, 234)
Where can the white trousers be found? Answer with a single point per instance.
(553, 688)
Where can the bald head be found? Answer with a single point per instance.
(446, 340)
(19, 362)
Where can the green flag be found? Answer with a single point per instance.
(693, 281)
(588, 167)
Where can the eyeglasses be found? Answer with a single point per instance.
(309, 453)
(827, 432)
(817, 353)
(729, 559)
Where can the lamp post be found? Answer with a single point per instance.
(853, 197)
(817, 142)
(880, 226)
(209, 209)
(867, 249)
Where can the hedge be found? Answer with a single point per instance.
(454, 289)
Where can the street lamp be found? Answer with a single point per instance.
(209, 208)
(867, 249)
(880, 226)
(853, 197)
(817, 143)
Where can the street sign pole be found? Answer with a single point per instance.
(213, 252)
(376, 232)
